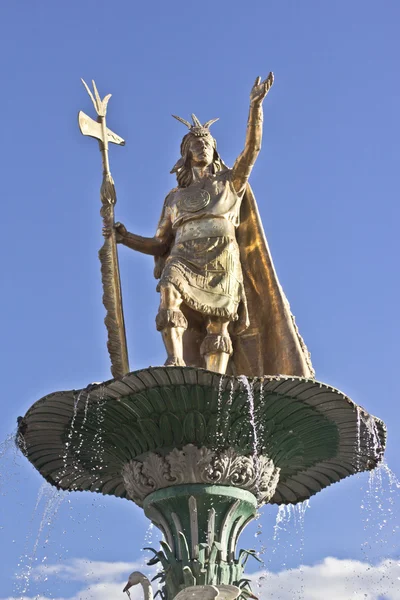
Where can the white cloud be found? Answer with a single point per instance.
(100, 580)
(99, 591)
(79, 569)
(332, 579)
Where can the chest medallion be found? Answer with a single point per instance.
(193, 200)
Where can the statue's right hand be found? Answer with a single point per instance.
(120, 232)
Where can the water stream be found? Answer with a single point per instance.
(81, 433)
(219, 429)
(70, 433)
(381, 521)
(250, 397)
(281, 535)
(287, 544)
(299, 516)
(148, 542)
(51, 499)
(262, 547)
(9, 464)
(98, 445)
(358, 438)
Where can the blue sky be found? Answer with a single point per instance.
(327, 187)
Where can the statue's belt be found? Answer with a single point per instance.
(201, 228)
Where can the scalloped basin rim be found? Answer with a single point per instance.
(312, 431)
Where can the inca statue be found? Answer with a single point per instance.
(220, 297)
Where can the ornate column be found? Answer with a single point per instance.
(201, 500)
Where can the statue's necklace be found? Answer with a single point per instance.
(193, 199)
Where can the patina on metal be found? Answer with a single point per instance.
(112, 296)
(187, 446)
(160, 421)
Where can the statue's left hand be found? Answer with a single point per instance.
(261, 88)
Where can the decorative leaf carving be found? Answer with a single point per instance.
(171, 429)
(194, 427)
(256, 474)
(151, 430)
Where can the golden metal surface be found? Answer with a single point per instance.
(112, 296)
(221, 302)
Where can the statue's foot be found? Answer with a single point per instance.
(174, 361)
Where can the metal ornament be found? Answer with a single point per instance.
(197, 128)
(193, 200)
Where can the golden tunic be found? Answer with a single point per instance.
(204, 261)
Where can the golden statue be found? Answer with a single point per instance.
(221, 303)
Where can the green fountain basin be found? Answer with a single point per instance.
(313, 434)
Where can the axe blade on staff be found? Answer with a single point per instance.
(112, 296)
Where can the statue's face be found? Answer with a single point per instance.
(201, 151)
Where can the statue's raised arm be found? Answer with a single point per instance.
(245, 162)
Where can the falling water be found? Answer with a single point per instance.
(59, 498)
(260, 553)
(220, 384)
(52, 499)
(223, 411)
(280, 525)
(7, 444)
(281, 519)
(98, 445)
(358, 438)
(69, 437)
(250, 397)
(148, 538)
(375, 444)
(259, 532)
(9, 456)
(81, 433)
(231, 393)
(219, 428)
(281, 530)
(300, 510)
(227, 410)
(258, 414)
(380, 517)
(394, 483)
(147, 543)
(255, 446)
(288, 544)
(379, 505)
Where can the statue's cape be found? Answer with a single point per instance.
(271, 344)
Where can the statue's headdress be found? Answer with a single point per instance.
(197, 128)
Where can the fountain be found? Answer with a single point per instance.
(206, 440)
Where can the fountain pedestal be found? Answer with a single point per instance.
(201, 525)
(200, 452)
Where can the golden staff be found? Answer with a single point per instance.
(112, 297)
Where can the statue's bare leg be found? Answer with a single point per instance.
(172, 323)
(217, 346)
